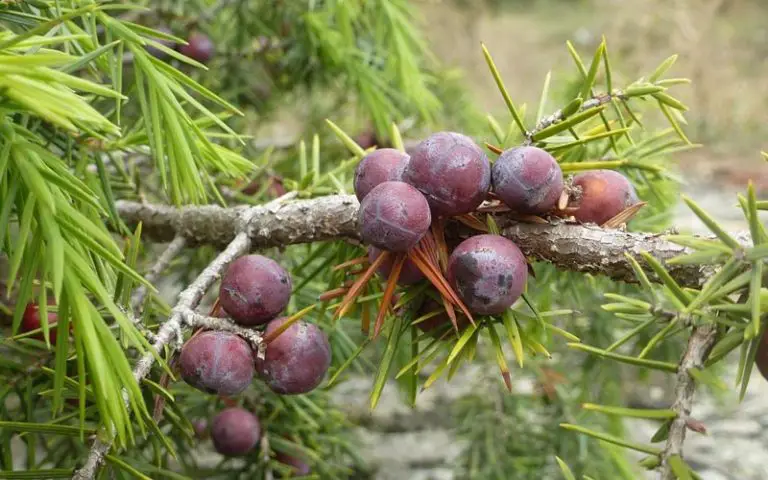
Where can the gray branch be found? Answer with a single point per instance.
(580, 248)
(699, 345)
(183, 315)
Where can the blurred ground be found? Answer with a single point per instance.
(721, 44)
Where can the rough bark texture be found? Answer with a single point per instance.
(581, 248)
(699, 345)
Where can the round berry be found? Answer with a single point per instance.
(451, 171)
(199, 47)
(488, 272)
(382, 165)
(217, 362)
(409, 274)
(30, 320)
(394, 216)
(296, 360)
(604, 194)
(235, 431)
(254, 290)
(528, 180)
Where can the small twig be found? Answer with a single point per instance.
(593, 102)
(188, 300)
(699, 345)
(268, 474)
(163, 261)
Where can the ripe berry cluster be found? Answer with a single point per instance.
(254, 292)
(449, 175)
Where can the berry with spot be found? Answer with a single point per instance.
(254, 290)
(488, 272)
(217, 362)
(297, 360)
(527, 179)
(409, 274)
(603, 195)
(199, 47)
(235, 431)
(394, 216)
(452, 172)
(382, 165)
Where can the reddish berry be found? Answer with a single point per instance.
(30, 320)
(604, 194)
(382, 165)
(488, 272)
(217, 362)
(451, 171)
(199, 47)
(528, 180)
(296, 360)
(394, 216)
(409, 274)
(235, 431)
(254, 290)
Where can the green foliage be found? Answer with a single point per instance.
(89, 116)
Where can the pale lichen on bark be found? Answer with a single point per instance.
(580, 248)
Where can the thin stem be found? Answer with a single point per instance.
(699, 345)
(183, 315)
(163, 261)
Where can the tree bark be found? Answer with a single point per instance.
(575, 247)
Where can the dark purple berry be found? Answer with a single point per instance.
(199, 47)
(217, 362)
(254, 290)
(451, 171)
(296, 360)
(409, 274)
(235, 431)
(382, 165)
(604, 194)
(528, 180)
(488, 272)
(394, 216)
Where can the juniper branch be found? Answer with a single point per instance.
(183, 315)
(581, 248)
(699, 345)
